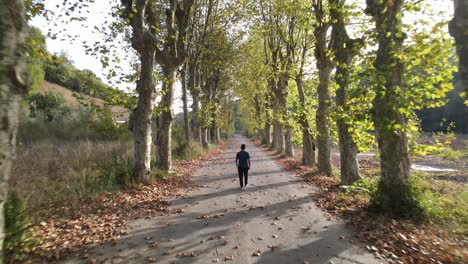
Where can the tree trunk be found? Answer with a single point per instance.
(183, 75)
(165, 123)
(217, 135)
(196, 129)
(324, 66)
(308, 146)
(13, 84)
(344, 50)
(267, 132)
(141, 119)
(457, 28)
(394, 187)
(214, 133)
(323, 127)
(278, 139)
(204, 137)
(194, 91)
(289, 146)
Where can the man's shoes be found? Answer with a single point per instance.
(242, 187)
(245, 188)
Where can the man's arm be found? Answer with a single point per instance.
(237, 160)
(249, 163)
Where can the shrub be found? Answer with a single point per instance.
(188, 151)
(441, 202)
(50, 104)
(19, 240)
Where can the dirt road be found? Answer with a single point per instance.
(275, 218)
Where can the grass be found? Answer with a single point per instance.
(48, 173)
(442, 202)
(453, 154)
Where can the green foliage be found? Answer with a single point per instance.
(82, 123)
(188, 151)
(452, 154)
(36, 75)
(59, 69)
(103, 123)
(19, 241)
(107, 175)
(442, 202)
(50, 104)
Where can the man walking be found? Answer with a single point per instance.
(243, 166)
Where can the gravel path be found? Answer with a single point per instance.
(275, 217)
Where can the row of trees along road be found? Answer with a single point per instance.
(303, 72)
(320, 71)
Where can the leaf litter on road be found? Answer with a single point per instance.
(397, 241)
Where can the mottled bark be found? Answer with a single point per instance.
(141, 121)
(183, 74)
(13, 84)
(165, 121)
(393, 145)
(288, 144)
(308, 146)
(170, 57)
(345, 49)
(323, 124)
(324, 66)
(278, 137)
(458, 29)
(143, 42)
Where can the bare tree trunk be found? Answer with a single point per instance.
(196, 130)
(13, 84)
(323, 125)
(394, 185)
(165, 123)
(278, 139)
(141, 123)
(267, 132)
(324, 66)
(183, 74)
(204, 137)
(308, 146)
(457, 28)
(345, 49)
(194, 91)
(217, 135)
(289, 146)
(214, 132)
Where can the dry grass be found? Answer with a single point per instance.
(51, 172)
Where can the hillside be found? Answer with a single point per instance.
(121, 114)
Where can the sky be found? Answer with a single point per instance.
(99, 12)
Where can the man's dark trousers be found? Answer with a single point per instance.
(243, 174)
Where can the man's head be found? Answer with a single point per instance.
(243, 146)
